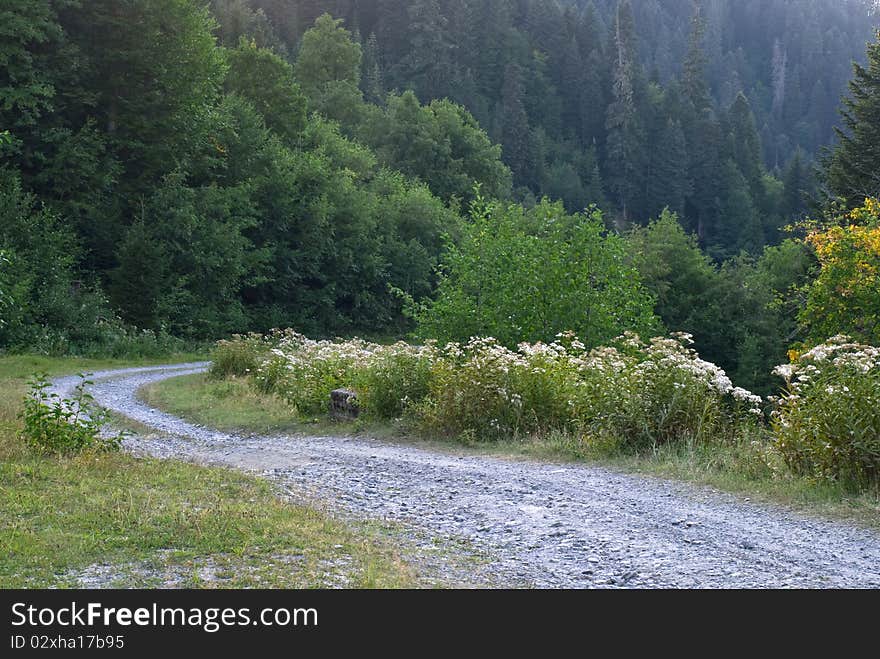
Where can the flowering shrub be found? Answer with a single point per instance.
(670, 395)
(482, 388)
(304, 372)
(639, 394)
(239, 356)
(845, 297)
(827, 423)
(394, 378)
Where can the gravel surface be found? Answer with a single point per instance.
(542, 525)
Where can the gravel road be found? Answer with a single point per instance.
(541, 525)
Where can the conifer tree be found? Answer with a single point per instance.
(852, 171)
(624, 146)
(514, 124)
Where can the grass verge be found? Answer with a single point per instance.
(116, 520)
(744, 469)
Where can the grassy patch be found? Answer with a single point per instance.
(119, 521)
(741, 468)
(234, 405)
(228, 405)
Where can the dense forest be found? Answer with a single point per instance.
(715, 109)
(178, 169)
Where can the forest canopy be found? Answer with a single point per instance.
(182, 170)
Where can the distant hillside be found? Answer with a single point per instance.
(713, 108)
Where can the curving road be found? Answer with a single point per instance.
(543, 525)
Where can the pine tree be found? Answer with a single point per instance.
(702, 135)
(426, 68)
(514, 124)
(739, 225)
(624, 145)
(852, 171)
(694, 78)
(745, 143)
(667, 182)
(798, 183)
(372, 81)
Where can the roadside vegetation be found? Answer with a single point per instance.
(107, 518)
(653, 407)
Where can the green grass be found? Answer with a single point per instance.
(745, 469)
(230, 405)
(143, 522)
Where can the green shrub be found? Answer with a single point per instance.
(670, 395)
(525, 275)
(394, 379)
(304, 372)
(636, 395)
(53, 424)
(240, 356)
(483, 389)
(827, 422)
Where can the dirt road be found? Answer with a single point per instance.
(544, 525)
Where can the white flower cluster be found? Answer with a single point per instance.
(673, 358)
(837, 354)
(482, 369)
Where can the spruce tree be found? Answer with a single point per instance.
(745, 143)
(372, 80)
(514, 124)
(667, 184)
(624, 146)
(852, 171)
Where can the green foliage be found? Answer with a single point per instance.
(671, 395)
(304, 372)
(185, 260)
(45, 305)
(527, 275)
(845, 296)
(52, 424)
(850, 170)
(392, 380)
(6, 299)
(440, 143)
(827, 422)
(169, 160)
(742, 315)
(636, 397)
(239, 356)
(26, 88)
(267, 81)
(153, 72)
(328, 67)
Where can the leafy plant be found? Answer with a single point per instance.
(827, 422)
(845, 297)
(239, 356)
(520, 275)
(638, 395)
(53, 424)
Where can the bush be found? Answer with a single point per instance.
(671, 395)
(827, 422)
(304, 372)
(635, 395)
(64, 425)
(483, 389)
(239, 356)
(394, 379)
(520, 275)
